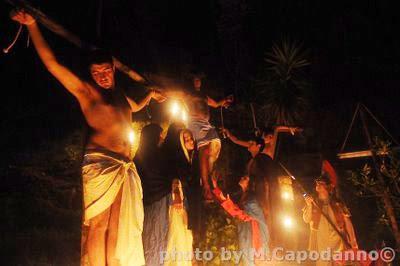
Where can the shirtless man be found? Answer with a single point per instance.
(206, 136)
(108, 113)
(269, 135)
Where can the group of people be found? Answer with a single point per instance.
(136, 210)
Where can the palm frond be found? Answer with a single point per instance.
(283, 90)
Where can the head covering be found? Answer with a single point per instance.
(327, 169)
(177, 159)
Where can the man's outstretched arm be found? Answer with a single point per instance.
(136, 107)
(235, 140)
(70, 81)
(215, 104)
(292, 130)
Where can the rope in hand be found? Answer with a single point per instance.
(6, 50)
(222, 122)
(256, 129)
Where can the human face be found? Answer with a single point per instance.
(244, 183)
(268, 138)
(188, 141)
(254, 148)
(322, 189)
(197, 83)
(103, 75)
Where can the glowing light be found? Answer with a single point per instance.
(184, 116)
(287, 222)
(175, 108)
(286, 195)
(131, 136)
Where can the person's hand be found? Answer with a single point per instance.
(309, 200)
(223, 197)
(22, 17)
(214, 182)
(207, 194)
(294, 130)
(226, 132)
(227, 101)
(156, 95)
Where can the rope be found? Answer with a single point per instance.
(254, 119)
(351, 126)
(380, 124)
(221, 113)
(6, 50)
(69, 36)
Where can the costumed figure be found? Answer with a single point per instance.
(112, 191)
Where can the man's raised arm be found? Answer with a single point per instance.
(235, 140)
(136, 107)
(213, 103)
(70, 81)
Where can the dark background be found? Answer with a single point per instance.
(352, 46)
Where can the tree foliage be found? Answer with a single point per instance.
(283, 87)
(368, 185)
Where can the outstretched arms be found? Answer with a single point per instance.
(222, 103)
(235, 140)
(70, 81)
(136, 107)
(292, 130)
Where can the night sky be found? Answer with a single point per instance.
(353, 47)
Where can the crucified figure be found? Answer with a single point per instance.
(269, 135)
(206, 136)
(113, 209)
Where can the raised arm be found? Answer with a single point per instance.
(214, 104)
(70, 81)
(136, 107)
(235, 140)
(278, 130)
(292, 130)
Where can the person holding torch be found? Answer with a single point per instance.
(332, 229)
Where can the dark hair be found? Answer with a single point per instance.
(259, 141)
(99, 56)
(266, 131)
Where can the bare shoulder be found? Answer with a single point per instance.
(88, 93)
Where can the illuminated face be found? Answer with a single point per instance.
(197, 83)
(244, 183)
(188, 141)
(321, 188)
(103, 75)
(268, 138)
(254, 148)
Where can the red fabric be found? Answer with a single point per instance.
(234, 210)
(255, 229)
(328, 168)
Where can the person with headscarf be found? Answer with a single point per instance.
(178, 151)
(244, 204)
(165, 223)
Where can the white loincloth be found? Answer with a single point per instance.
(104, 174)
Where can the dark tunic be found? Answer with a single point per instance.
(265, 171)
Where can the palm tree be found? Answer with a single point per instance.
(283, 88)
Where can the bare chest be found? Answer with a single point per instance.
(108, 113)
